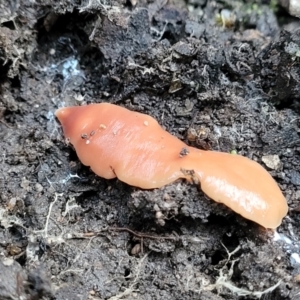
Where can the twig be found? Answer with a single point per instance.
(143, 235)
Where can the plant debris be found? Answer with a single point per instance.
(219, 75)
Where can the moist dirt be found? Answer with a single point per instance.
(219, 75)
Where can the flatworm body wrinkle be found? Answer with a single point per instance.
(116, 142)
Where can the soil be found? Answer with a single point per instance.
(220, 75)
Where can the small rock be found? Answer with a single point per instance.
(25, 184)
(8, 261)
(136, 249)
(38, 187)
(295, 177)
(271, 161)
(184, 49)
(292, 6)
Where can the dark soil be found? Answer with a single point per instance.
(217, 79)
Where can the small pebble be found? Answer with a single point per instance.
(271, 161)
(38, 187)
